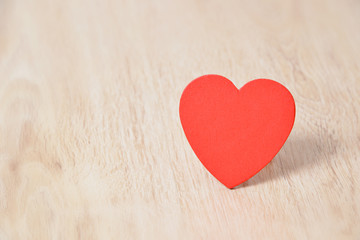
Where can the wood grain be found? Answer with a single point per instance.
(91, 145)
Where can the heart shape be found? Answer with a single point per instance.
(236, 132)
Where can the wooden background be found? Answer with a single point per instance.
(91, 145)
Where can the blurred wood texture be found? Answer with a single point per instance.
(91, 145)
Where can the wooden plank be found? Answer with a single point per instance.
(91, 145)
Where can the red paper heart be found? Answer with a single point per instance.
(236, 132)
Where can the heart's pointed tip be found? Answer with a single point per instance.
(231, 186)
(234, 185)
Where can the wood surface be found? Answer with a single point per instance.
(91, 145)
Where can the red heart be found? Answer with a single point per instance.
(235, 133)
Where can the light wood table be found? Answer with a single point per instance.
(91, 145)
